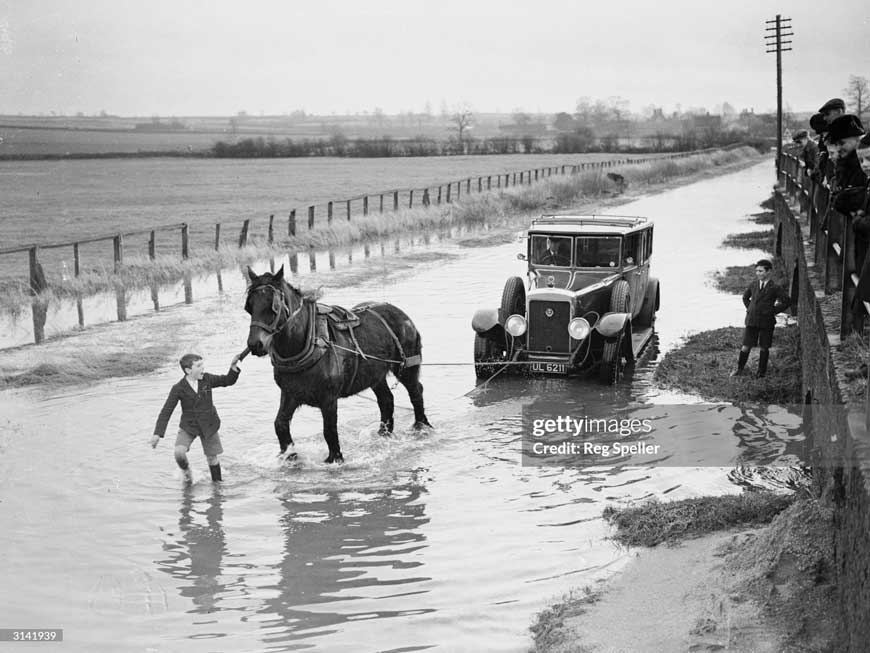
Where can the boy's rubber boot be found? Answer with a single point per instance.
(762, 362)
(741, 362)
(215, 472)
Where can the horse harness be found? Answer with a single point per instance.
(324, 321)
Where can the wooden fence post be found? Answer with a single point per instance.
(310, 217)
(395, 200)
(118, 247)
(366, 205)
(348, 210)
(426, 200)
(449, 186)
(439, 194)
(217, 236)
(185, 241)
(329, 212)
(382, 202)
(521, 179)
(271, 228)
(480, 184)
(77, 268)
(152, 246)
(243, 236)
(468, 185)
(37, 277)
(291, 224)
(411, 199)
(458, 189)
(489, 182)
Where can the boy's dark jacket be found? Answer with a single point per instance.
(763, 305)
(198, 414)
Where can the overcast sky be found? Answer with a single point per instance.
(217, 57)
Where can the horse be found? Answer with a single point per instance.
(320, 353)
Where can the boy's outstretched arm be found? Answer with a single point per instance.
(163, 417)
(223, 380)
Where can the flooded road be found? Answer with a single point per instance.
(439, 541)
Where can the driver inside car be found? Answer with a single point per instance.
(554, 253)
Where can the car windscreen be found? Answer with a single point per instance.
(596, 252)
(551, 250)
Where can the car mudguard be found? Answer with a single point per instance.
(484, 319)
(611, 324)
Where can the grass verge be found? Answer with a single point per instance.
(87, 366)
(703, 363)
(762, 240)
(548, 629)
(657, 522)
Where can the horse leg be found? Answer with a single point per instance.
(282, 424)
(410, 378)
(329, 410)
(385, 403)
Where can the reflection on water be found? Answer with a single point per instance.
(197, 556)
(351, 550)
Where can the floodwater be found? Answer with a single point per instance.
(438, 541)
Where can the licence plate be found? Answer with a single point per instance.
(550, 368)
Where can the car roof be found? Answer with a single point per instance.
(588, 224)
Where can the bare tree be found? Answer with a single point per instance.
(462, 119)
(858, 92)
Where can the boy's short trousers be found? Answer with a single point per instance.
(756, 336)
(210, 445)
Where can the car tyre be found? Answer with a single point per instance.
(610, 369)
(487, 355)
(647, 313)
(513, 299)
(620, 302)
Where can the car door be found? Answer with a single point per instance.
(633, 271)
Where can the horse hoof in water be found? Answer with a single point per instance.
(419, 426)
(288, 457)
(386, 428)
(334, 458)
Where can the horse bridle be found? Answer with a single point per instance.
(279, 306)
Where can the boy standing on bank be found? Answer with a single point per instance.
(199, 418)
(763, 300)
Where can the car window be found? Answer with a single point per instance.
(632, 253)
(597, 252)
(551, 250)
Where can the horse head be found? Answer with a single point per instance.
(272, 304)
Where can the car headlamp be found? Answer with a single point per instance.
(515, 325)
(579, 328)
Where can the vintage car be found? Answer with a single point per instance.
(590, 301)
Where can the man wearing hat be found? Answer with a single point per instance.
(850, 188)
(809, 152)
(833, 109)
(843, 136)
(820, 126)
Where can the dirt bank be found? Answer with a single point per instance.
(703, 363)
(761, 589)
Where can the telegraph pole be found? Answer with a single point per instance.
(775, 43)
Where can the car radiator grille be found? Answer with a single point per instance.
(549, 334)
